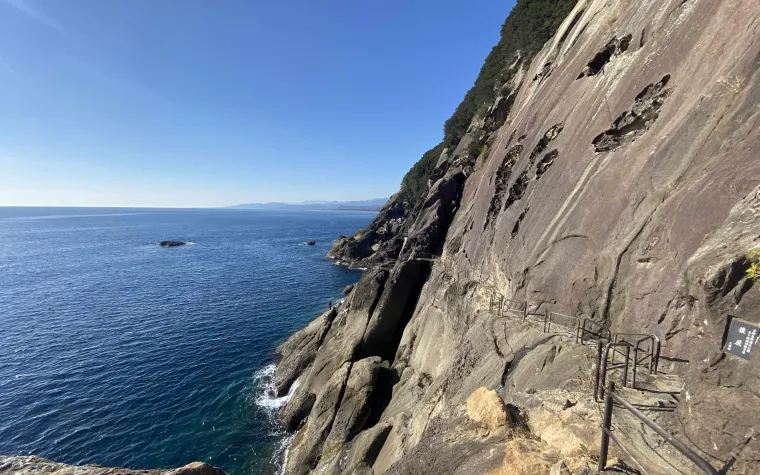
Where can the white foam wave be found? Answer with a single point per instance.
(267, 393)
(281, 453)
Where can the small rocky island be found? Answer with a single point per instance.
(311, 242)
(173, 243)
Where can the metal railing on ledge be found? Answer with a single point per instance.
(425, 256)
(593, 328)
(584, 329)
(600, 377)
(620, 346)
(609, 402)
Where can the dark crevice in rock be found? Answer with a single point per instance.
(511, 137)
(545, 72)
(300, 414)
(614, 48)
(503, 174)
(518, 189)
(518, 418)
(516, 227)
(728, 278)
(570, 27)
(511, 365)
(499, 112)
(580, 33)
(543, 144)
(635, 122)
(382, 394)
(731, 278)
(545, 163)
(406, 315)
(643, 37)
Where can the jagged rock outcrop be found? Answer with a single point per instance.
(339, 412)
(341, 345)
(378, 242)
(297, 353)
(31, 465)
(628, 195)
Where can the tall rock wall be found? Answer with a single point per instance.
(623, 187)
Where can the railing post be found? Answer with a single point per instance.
(627, 361)
(598, 368)
(606, 426)
(635, 364)
(657, 358)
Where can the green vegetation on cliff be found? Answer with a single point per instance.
(414, 184)
(530, 24)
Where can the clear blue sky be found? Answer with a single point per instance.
(217, 102)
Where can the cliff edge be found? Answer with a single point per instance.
(613, 181)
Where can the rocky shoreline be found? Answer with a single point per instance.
(31, 465)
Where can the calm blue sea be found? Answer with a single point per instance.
(118, 352)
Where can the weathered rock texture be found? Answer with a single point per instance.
(623, 186)
(30, 465)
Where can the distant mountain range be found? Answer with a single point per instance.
(363, 205)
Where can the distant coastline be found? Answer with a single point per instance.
(374, 205)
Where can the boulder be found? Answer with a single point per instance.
(486, 408)
(172, 243)
(311, 242)
(347, 289)
(198, 468)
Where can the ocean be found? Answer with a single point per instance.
(119, 352)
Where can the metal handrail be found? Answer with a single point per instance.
(603, 333)
(612, 397)
(653, 353)
(601, 369)
(527, 313)
(548, 321)
(425, 256)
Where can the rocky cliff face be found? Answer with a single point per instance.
(619, 182)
